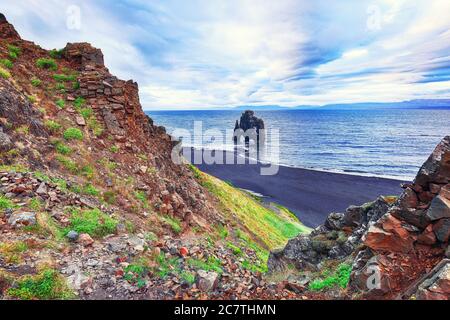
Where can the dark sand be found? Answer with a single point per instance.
(310, 194)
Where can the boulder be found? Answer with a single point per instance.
(72, 236)
(408, 199)
(335, 221)
(207, 281)
(442, 230)
(85, 240)
(427, 237)
(5, 141)
(389, 235)
(439, 208)
(353, 216)
(437, 167)
(20, 219)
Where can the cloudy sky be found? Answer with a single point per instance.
(220, 53)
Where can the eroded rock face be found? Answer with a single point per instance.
(401, 240)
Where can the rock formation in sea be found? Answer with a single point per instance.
(249, 126)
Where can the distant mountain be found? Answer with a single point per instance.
(261, 108)
(411, 104)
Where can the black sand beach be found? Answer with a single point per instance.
(310, 194)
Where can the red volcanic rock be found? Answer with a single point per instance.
(427, 237)
(184, 251)
(389, 235)
(85, 240)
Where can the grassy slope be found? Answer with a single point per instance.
(272, 228)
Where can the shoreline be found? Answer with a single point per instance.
(310, 194)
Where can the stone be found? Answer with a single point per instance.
(442, 230)
(437, 167)
(42, 189)
(408, 199)
(137, 243)
(184, 251)
(207, 281)
(389, 235)
(427, 237)
(72, 235)
(20, 219)
(111, 122)
(85, 240)
(439, 208)
(445, 192)
(143, 169)
(80, 121)
(353, 216)
(447, 252)
(334, 221)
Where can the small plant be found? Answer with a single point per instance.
(56, 54)
(188, 277)
(89, 189)
(166, 266)
(62, 148)
(41, 176)
(14, 52)
(23, 129)
(6, 203)
(12, 251)
(79, 103)
(73, 134)
(6, 63)
(32, 99)
(4, 73)
(340, 278)
(75, 85)
(36, 204)
(114, 149)
(60, 87)
(64, 77)
(173, 223)
(68, 164)
(223, 231)
(52, 126)
(47, 63)
(93, 222)
(35, 82)
(88, 171)
(135, 274)
(236, 250)
(211, 264)
(86, 113)
(60, 103)
(47, 285)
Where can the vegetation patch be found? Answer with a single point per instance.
(73, 134)
(90, 190)
(47, 285)
(166, 266)
(62, 148)
(35, 82)
(47, 63)
(60, 103)
(64, 77)
(12, 251)
(274, 229)
(14, 52)
(173, 223)
(211, 264)
(4, 73)
(56, 53)
(339, 278)
(52, 126)
(93, 222)
(67, 163)
(6, 63)
(135, 274)
(6, 203)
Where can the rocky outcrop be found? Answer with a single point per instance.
(401, 240)
(251, 126)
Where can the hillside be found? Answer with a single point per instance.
(92, 206)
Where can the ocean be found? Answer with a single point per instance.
(390, 143)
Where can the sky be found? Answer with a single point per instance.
(206, 54)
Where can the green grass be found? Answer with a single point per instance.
(67, 163)
(52, 126)
(62, 89)
(73, 134)
(60, 103)
(272, 228)
(88, 171)
(5, 74)
(12, 251)
(222, 231)
(235, 249)
(6, 203)
(188, 277)
(47, 63)
(211, 264)
(79, 103)
(62, 148)
(32, 99)
(135, 274)
(340, 278)
(47, 285)
(93, 222)
(14, 52)
(166, 266)
(173, 223)
(90, 190)
(114, 149)
(41, 176)
(86, 113)
(64, 77)
(6, 63)
(75, 85)
(35, 82)
(56, 53)
(36, 204)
